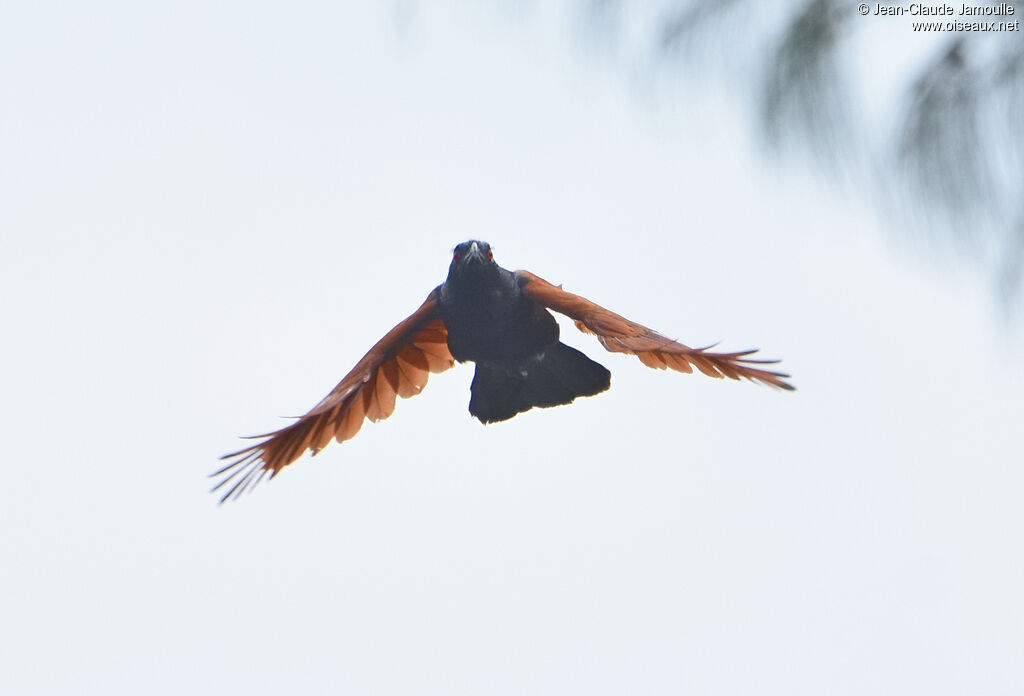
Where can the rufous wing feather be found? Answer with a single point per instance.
(620, 335)
(398, 365)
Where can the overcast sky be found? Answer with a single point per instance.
(210, 211)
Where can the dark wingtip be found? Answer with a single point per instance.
(239, 475)
(778, 381)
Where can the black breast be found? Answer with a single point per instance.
(489, 321)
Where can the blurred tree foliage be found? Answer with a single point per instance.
(946, 157)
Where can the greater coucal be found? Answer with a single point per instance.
(499, 320)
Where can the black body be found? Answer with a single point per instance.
(520, 363)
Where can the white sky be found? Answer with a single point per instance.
(209, 212)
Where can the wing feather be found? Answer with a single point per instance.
(620, 335)
(350, 420)
(409, 375)
(397, 365)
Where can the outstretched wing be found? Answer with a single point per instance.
(398, 364)
(620, 335)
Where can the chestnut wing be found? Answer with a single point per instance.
(620, 335)
(398, 365)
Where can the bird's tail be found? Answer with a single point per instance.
(555, 377)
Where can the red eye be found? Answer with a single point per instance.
(490, 255)
(456, 257)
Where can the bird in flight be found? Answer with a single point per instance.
(498, 319)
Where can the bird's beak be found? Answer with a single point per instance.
(476, 254)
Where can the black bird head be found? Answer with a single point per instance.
(471, 256)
